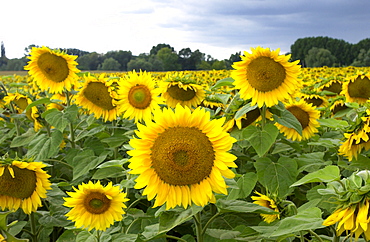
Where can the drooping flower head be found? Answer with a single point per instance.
(180, 89)
(138, 96)
(22, 185)
(95, 206)
(352, 212)
(267, 202)
(265, 76)
(315, 99)
(182, 157)
(99, 98)
(307, 116)
(52, 70)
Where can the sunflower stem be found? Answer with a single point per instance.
(73, 144)
(209, 222)
(98, 235)
(34, 233)
(198, 227)
(175, 237)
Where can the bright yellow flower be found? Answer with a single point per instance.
(182, 157)
(267, 202)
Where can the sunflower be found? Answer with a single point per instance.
(138, 95)
(182, 157)
(357, 88)
(265, 76)
(21, 102)
(267, 202)
(306, 115)
(22, 185)
(334, 86)
(315, 99)
(98, 98)
(337, 106)
(182, 90)
(95, 206)
(52, 70)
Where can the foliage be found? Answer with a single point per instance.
(318, 57)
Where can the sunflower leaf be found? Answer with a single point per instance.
(38, 102)
(327, 174)
(245, 109)
(245, 184)
(239, 206)
(261, 139)
(288, 120)
(223, 82)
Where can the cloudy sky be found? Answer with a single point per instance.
(216, 27)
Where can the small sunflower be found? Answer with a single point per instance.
(337, 106)
(267, 202)
(98, 98)
(138, 96)
(357, 88)
(95, 206)
(21, 102)
(265, 76)
(52, 70)
(334, 86)
(22, 185)
(182, 90)
(306, 115)
(182, 157)
(315, 99)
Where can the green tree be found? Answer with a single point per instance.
(318, 57)
(138, 64)
(3, 59)
(363, 58)
(204, 65)
(169, 59)
(218, 65)
(158, 47)
(90, 61)
(123, 57)
(110, 64)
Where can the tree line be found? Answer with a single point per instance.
(311, 51)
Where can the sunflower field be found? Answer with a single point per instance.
(268, 151)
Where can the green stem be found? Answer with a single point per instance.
(33, 227)
(98, 235)
(315, 235)
(198, 227)
(73, 143)
(174, 237)
(209, 222)
(231, 102)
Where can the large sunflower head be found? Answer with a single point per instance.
(267, 202)
(265, 76)
(95, 206)
(138, 96)
(22, 185)
(98, 98)
(52, 70)
(181, 90)
(357, 88)
(182, 157)
(307, 116)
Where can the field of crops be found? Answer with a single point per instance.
(268, 151)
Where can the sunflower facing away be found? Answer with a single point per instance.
(182, 157)
(265, 76)
(267, 202)
(95, 206)
(138, 96)
(183, 91)
(22, 185)
(98, 98)
(306, 115)
(52, 70)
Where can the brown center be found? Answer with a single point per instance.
(98, 94)
(21, 186)
(139, 97)
(181, 94)
(301, 115)
(54, 67)
(96, 203)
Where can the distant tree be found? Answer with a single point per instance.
(90, 61)
(28, 49)
(3, 59)
(75, 52)
(204, 65)
(363, 58)
(169, 59)
(233, 58)
(16, 64)
(218, 65)
(157, 64)
(138, 64)
(318, 57)
(110, 64)
(123, 57)
(156, 48)
(185, 59)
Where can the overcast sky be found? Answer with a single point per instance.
(216, 27)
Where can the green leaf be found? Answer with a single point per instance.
(85, 236)
(91, 132)
(245, 109)
(333, 123)
(107, 172)
(309, 219)
(54, 220)
(115, 141)
(246, 184)
(45, 100)
(68, 236)
(277, 177)
(44, 147)
(327, 174)
(171, 218)
(3, 220)
(288, 120)
(239, 206)
(223, 82)
(84, 162)
(222, 97)
(261, 139)
(124, 237)
(24, 139)
(11, 238)
(56, 118)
